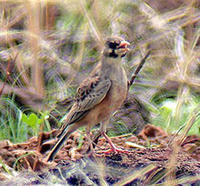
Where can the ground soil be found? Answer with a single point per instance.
(74, 165)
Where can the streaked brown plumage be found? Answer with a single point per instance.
(98, 96)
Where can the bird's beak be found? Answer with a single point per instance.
(124, 45)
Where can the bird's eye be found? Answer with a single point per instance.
(113, 45)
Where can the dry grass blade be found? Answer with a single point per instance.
(92, 24)
(183, 181)
(194, 116)
(10, 67)
(136, 175)
(33, 25)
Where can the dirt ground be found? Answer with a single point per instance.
(73, 165)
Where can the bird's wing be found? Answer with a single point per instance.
(91, 92)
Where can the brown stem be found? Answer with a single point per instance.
(138, 69)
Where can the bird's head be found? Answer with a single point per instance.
(115, 47)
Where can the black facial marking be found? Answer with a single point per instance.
(112, 45)
(113, 54)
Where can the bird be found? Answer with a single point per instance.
(98, 96)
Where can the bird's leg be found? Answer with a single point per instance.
(113, 147)
(90, 150)
(89, 141)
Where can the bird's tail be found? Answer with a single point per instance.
(61, 141)
(70, 120)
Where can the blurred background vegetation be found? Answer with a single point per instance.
(48, 47)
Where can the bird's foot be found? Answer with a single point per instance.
(113, 147)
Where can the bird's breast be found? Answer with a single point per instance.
(118, 91)
(117, 94)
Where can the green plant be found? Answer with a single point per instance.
(16, 125)
(171, 121)
(34, 121)
(11, 125)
